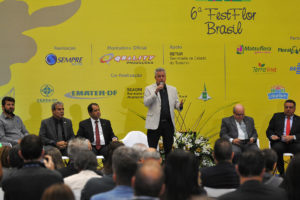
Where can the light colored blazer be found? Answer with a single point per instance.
(153, 102)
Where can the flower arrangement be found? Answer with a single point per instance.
(198, 145)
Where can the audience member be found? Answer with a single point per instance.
(58, 192)
(140, 148)
(85, 162)
(223, 174)
(251, 168)
(148, 182)
(240, 131)
(291, 182)
(106, 183)
(152, 155)
(97, 130)
(57, 131)
(270, 157)
(30, 181)
(284, 133)
(12, 129)
(181, 176)
(4, 154)
(124, 164)
(56, 157)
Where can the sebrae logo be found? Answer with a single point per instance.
(295, 68)
(261, 68)
(260, 49)
(135, 59)
(52, 59)
(90, 94)
(277, 92)
(47, 90)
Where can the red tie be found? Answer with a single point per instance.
(288, 127)
(98, 146)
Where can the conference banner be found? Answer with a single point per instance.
(215, 52)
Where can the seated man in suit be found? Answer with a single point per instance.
(240, 131)
(284, 133)
(251, 167)
(97, 131)
(223, 175)
(57, 130)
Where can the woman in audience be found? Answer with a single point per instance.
(58, 192)
(181, 177)
(291, 180)
(56, 157)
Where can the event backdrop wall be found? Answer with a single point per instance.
(79, 52)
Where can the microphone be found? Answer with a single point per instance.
(161, 83)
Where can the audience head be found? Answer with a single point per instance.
(94, 111)
(124, 164)
(14, 158)
(31, 148)
(56, 157)
(75, 145)
(85, 160)
(181, 175)
(292, 178)
(238, 112)
(223, 150)
(153, 155)
(149, 180)
(107, 162)
(4, 155)
(251, 164)
(58, 110)
(8, 105)
(270, 157)
(140, 148)
(289, 107)
(58, 191)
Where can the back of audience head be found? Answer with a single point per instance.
(124, 164)
(181, 175)
(14, 158)
(75, 145)
(31, 148)
(58, 192)
(107, 162)
(152, 154)
(223, 150)
(270, 157)
(85, 160)
(140, 148)
(292, 178)
(251, 164)
(149, 180)
(4, 154)
(56, 157)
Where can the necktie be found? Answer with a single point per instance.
(288, 126)
(98, 146)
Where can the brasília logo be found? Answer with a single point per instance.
(47, 90)
(51, 59)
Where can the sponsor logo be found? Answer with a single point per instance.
(277, 92)
(47, 91)
(134, 93)
(135, 59)
(262, 68)
(295, 68)
(292, 50)
(260, 49)
(90, 94)
(52, 59)
(204, 96)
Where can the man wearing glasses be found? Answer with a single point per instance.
(284, 133)
(240, 131)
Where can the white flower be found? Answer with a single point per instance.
(197, 141)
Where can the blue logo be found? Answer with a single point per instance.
(90, 94)
(296, 68)
(51, 59)
(47, 90)
(278, 92)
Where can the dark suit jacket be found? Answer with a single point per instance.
(86, 130)
(48, 131)
(223, 175)
(229, 128)
(254, 190)
(29, 182)
(276, 126)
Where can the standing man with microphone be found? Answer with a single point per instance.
(161, 100)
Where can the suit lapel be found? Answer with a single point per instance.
(246, 121)
(90, 130)
(295, 121)
(53, 129)
(233, 123)
(65, 128)
(103, 125)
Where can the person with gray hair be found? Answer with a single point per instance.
(124, 164)
(140, 148)
(57, 131)
(161, 100)
(151, 155)
(85, 162)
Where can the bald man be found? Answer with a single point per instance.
(240, 131)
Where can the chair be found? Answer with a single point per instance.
(134, 137)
